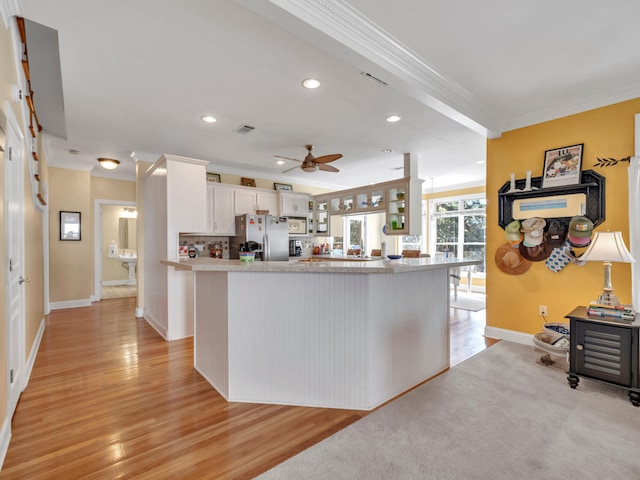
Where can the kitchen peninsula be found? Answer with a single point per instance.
(335, 334)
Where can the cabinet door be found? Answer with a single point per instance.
(603, 352)
(267, 201)
(224, 219)
(397, 209)
(245, 202)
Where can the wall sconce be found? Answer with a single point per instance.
(607, 247)
(108, 163)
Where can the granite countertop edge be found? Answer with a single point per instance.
(323, 266)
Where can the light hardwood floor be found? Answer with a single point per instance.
(108, 398)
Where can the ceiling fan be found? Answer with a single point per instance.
(311, 164)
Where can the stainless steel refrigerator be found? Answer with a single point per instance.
(267, 235)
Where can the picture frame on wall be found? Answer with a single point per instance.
(562, 166)
(247, 182)
(283, 187)
(213, 177)
(70, 226)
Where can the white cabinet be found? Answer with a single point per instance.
(294, 204)
(404, 207)
(248, 200)
(221, 215)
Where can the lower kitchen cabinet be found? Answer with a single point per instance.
(605, 349)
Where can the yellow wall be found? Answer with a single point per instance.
(512, 301)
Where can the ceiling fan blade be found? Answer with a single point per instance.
(288, 158)
(292, 168)
(328, 158)
(327, 168)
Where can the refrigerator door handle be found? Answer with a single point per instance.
(266, 248)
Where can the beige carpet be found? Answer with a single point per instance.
(498, 415)
(468, 301)
(118, 291)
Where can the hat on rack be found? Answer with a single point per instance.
(509, 260)
(533, 229)
(512, 232)
(580, 230)
(556, 234)
(536, 253)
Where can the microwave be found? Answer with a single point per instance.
(297, 226)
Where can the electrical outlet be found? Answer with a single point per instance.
(542, 310)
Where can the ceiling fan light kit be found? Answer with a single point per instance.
(311, 164)
(108, 163)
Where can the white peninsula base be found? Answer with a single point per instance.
(342, 340)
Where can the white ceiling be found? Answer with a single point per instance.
(138, 75)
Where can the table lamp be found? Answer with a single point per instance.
(607, 247)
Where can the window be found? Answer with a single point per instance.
(459, 227)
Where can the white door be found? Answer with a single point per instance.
(14, 187)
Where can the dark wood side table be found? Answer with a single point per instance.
(605, 349)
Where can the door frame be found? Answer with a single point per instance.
(97, 235)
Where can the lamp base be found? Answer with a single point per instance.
(609, 299)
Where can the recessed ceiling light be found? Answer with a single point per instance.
(280, 162)
(393, 118)
(209, 119)
(387, 150)
(311, 83)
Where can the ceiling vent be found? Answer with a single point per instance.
(244, 129)
(375, 79)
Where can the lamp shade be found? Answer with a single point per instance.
(108, 163)
(607, 247)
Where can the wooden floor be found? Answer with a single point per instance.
(109, 399)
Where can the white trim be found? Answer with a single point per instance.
(5, 439)
(139, 313)
(509, 335)
(157, 326)
(34, 352)
(113, 283)
(70, 304)
(8, 9)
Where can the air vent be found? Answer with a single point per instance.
(244, 129)
(375, 79)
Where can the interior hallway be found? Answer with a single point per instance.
(109, 398)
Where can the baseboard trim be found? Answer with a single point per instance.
(5, 439)
(115, 283)
(156, 326)
(70, 304)
(139, 312)
(35, 348)
(510, 335)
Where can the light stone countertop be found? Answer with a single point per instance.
(320, 265)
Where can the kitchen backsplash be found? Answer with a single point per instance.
(204, 244)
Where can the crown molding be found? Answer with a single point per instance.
(340, 21)
(8, 9)
(623, 93)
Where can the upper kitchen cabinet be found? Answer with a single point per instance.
(404, 207)
(370, 200)
(250, 199)
(294, 204)
(319, 219)
(221, 210)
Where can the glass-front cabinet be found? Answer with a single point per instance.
(370, 200)
(342, 204)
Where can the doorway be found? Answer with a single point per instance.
(114, 225)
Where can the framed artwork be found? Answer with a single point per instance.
(283, 186)
(213, 177)
(562, 166)
(247, 182)
(69, 225)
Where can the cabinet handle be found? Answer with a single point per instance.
(579, 347)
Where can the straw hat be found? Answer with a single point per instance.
(509, 260)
